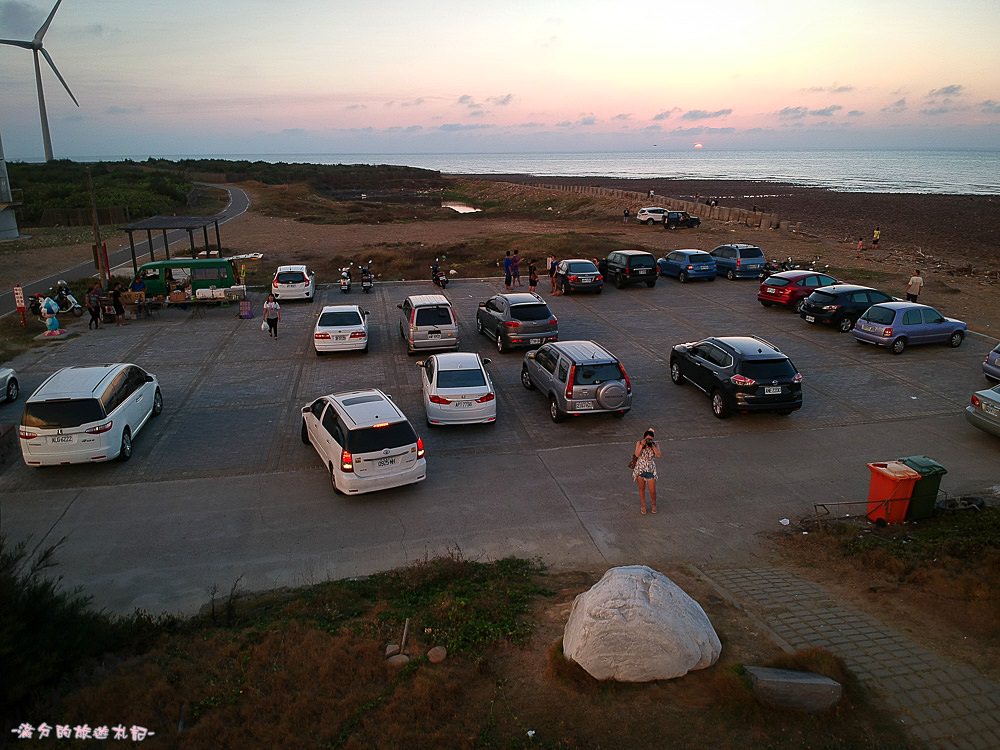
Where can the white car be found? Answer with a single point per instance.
(651, 215)
(457, 389)
(294, 282)
(364, 441)
(8, 384)
(341, 328)
(80, 415)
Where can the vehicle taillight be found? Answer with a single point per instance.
(358, 335)
(512, 324)
(600, 277)
(690, 268)
(346, 461)
(553, 321)
(413, 318)
(975, 402)
(573, 277)
(628, 381)
(420, 447)
(25, 435)
(487, 398)
(274, 283)
(320, 335)
(569, 383)
(738, 262)
(887, 331)
(797, 378)
(435, 399)
(100, 428)
(742, 380)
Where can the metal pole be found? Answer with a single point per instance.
(166, 245)
(218, 239)
(46, 140)
(194, 250)
(102, 268)
(149, 243)
(204, 230)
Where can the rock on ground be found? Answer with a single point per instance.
(798, 691)
(636, 625)
(437, 654)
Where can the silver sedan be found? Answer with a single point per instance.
(457, 389)
(983, 410)
(8, 384)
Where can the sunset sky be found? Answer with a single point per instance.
(397, 76)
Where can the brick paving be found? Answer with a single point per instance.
(942, 703)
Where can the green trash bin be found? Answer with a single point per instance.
(925, 491)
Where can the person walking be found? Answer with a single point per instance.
(515, 269)
(876, 235)
(116, 301)
(647, 450)
(914, 286)
(625, 217)
(94, 306)
(507, 277)
(272, 314)
(532, 277)
(550, 265)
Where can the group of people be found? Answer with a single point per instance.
(96, 294)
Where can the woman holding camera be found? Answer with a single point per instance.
(647, 450)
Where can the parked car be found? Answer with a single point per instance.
(790, 288)
(294, 282)
(341, 328)
(632, 267)
(427, 322)
(680, 219)
(650, 215)
(457, 389)
(364, 441)
(578, 275)
(739, 373)
(687, 264)
(9, 387)
(80, 415)
(578, 377)
(840, 305)
(991, 365)
(897, 325)
(738, 261)
(983, 410)
(517, 320)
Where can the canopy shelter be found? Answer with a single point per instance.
(166, 224)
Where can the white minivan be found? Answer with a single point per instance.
(81, 415)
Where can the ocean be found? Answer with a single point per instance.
(954, 172)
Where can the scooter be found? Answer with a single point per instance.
(439, 277)
(65, 299)
(367, 278)
(345, 280)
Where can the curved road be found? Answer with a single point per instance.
(239, 202)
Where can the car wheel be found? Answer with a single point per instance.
(77, 312)
(365, 349)
(649, 222)
(798, 306)
(566, 288)
(675, 373)
(730, 275)
(764, 302)
(157, 402)
(304, 433)
(956, 339)
(898, 346)
(719, 407)
(526, 379)
(319, 353)
(651, 284)
(12, 389)
(554, 411)
(845, 325)
(619, 281)
(125, 452)
(682, 277)
(501, 346)
(333, 480)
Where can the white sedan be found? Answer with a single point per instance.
(341, 328)
(457, 389)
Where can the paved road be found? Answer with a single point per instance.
(239, 202)
(220, 486)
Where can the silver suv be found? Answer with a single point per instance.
(427, 322)
(578, 377)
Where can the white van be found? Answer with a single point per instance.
(86, 414)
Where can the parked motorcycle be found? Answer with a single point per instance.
(367, 278)
(776, 266)
(345, 280)
(438, 276)
(62, 296)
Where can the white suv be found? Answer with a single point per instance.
(651, 215)
(86, 414)
(364, 440)
(294, 282)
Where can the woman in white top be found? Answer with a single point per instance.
(646, 452)
(272, 314)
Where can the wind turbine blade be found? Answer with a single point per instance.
(16, 43)
(45, 26)
(59, 75)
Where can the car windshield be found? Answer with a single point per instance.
(581, 267)
(699, 258)
(530, 312)
(881, 315)
(291, 277)
(460, 378)
(642, 261)
(339, 319)
(822, 298)
(371, 439)
(751, 252)
(776, 281)
(61, 414)
(433, 316)
(768, 369)
(594, 374)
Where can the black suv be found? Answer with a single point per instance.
(840, 304)
(739, 373)
(632, 267)
(675, 219)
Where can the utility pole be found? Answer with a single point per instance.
(98, 249)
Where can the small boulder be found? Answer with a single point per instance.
(437, 654)
(398, 661)
(391, 650)
(798, 691)
(636, 625)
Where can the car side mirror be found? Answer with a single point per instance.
(420, 363)
(400, 305)
(150, 378)
(486, 360)
(366, 313)
(529, 355)
(482, 304)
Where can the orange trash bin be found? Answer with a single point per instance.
(889, 491)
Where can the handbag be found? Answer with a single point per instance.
(633, 461)
(263, 325)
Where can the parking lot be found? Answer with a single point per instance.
(220, 487)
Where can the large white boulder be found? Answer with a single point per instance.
(636, 625)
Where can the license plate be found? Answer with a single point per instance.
(991, 409)
(702, 268)
(771, 290)
(870, 329)
(433, 335)
(642, 270)
(534, 341)
(580, 405)
(464, 404)
(586, 279)
(810, 319)
(386, 462)
(340, 338)
(772, 390)
(62, 439)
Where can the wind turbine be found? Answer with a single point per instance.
(35, 45)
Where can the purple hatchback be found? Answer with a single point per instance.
(897, 325)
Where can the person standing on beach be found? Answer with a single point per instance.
(550, 264)
(625, 215)
(515, 269)
(914, 286)
(875, 237)
(861, 245)
(532, 277)
(507, 278)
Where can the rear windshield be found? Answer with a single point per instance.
(58, 414)
(594, 374)
(751, 252)
(768, 369)
(433, 316)
(776, 281)
(582, 267)
(460, 378)
(371, 439)
(882, 315)
(700, 258)
(291, 277)
(340, 318)
(641, 261)
(822, 298)
(530, 312)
